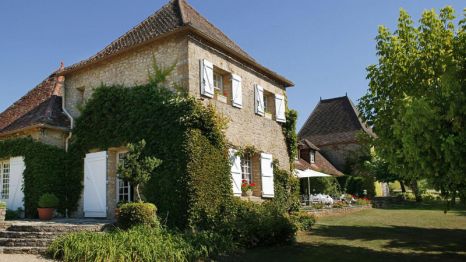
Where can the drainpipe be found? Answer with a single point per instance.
(61, 84)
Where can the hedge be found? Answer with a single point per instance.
(45, 173)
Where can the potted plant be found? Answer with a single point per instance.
(247, 188)
(47, 204)
(2, 210)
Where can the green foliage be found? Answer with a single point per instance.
(136, 214)
(303, 220)
(193, 180)
(324, 185)
(136, 169)
(138, 244)
(286, 190)
(48, 200)
(416, 99)
(12, 214)
(2, 204)
(356, 185)
(289, 131)
(250, 224)
(45, 173)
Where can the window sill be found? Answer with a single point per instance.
(222, 99)
(268, 116)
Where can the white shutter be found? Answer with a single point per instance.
(259, 100)
(280, 108)
(16, 195)
(207, 78)
(235, 172)
(237, 92)
(267, 175)
(95, 185)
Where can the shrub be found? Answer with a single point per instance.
(303, 220)
(48, 200)
(2, 204)
(324, 185)
(363, 201)
(286, 190)
(340, 204)
(12, 214)
(136, 214)
(250, 224)
(317, 205)
(137, 244)
(357, 184)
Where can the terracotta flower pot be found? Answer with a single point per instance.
(45, 213)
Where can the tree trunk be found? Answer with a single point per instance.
(137, 194)
(402, 185)
(415, 189)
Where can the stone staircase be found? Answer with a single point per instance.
(33, 236)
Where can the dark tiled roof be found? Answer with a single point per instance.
(32, 99)
(333, 121)
(48, 113)
(321, 165)
(173, 16)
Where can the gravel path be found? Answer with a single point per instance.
(22, 258)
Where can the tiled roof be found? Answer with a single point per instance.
(333, 121)
(321, 165)
(175, 15)
(32, 99)
(41, 105)
(48, 113)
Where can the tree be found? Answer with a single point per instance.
(416, 99)
(137, 169)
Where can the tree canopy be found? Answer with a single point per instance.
(416, 100)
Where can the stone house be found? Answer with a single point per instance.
(208, 64)
(333, 127)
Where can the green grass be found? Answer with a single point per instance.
(402, 233)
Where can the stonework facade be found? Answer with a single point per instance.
(127, 69)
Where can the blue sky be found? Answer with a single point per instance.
(323, 46)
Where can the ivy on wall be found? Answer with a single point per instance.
(289, 131)
(194, 177)
(45, 173)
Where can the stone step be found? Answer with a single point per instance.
(23, 250)
(39, 235)
(55, 228)
(24, 242)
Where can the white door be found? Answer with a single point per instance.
(15, 192)
(95, 185)
(267, 175)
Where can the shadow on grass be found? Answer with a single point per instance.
(459, 209)
(410, 238)
(329, 252)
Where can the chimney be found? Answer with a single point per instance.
(60, 80)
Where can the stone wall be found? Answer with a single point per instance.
(47, 136)
(245, 127)
(127, 69)
(338, 154)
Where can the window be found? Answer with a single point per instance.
(5, 176)
(312, 156)
(269, 103)
(246, 169)
(123, 188)
(218, 82)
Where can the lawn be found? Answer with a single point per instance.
(403, 233)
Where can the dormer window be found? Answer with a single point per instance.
(312, 156)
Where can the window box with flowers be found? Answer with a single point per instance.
(247, 188)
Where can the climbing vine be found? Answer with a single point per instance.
(194, 177)
(45, 173)
(289, 131)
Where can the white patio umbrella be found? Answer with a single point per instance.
(309, 173)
